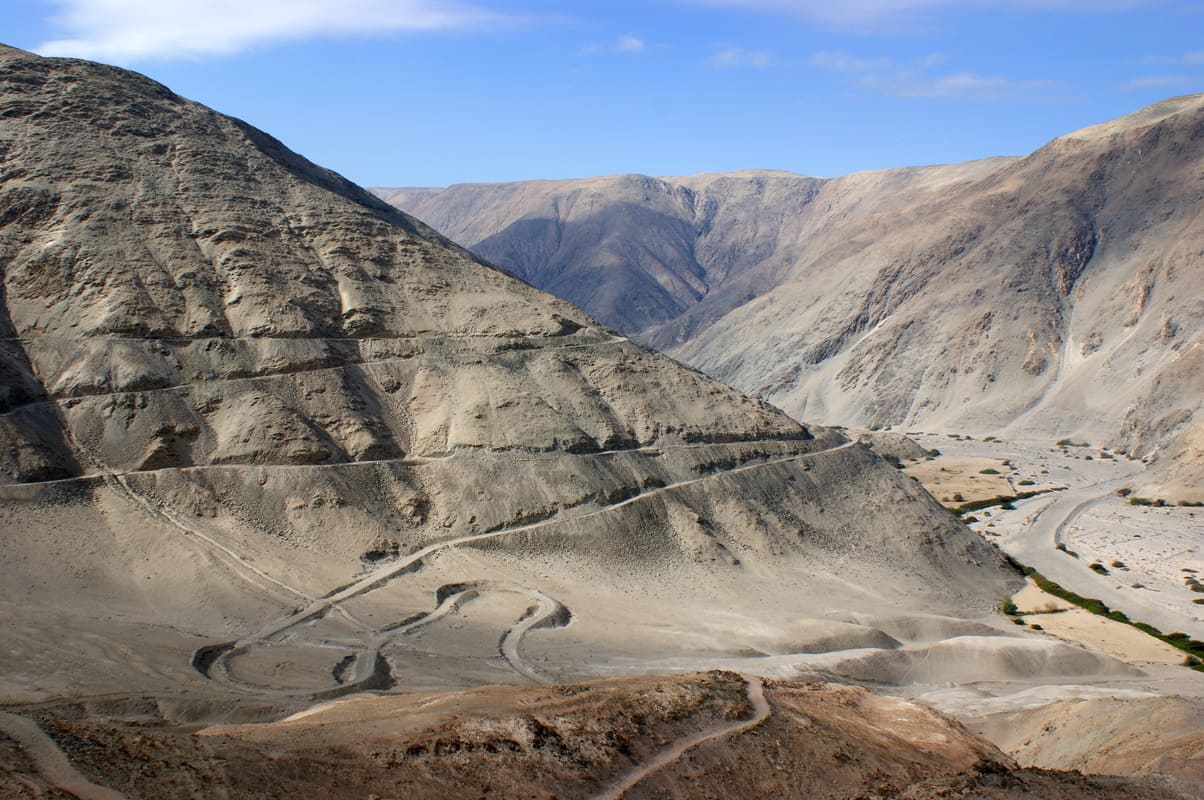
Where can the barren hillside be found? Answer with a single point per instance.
(255, 415)
(1055, 295)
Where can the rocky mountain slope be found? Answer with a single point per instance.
(266, 441)
(269, 434)
(1054, 295)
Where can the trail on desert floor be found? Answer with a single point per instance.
(50, 760)
(618, 786)
(377, 578)
(367, 659)
(1035, 545)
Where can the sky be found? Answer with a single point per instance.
(435, 92)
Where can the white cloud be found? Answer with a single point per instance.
(627, 43)
(130, 30)
(876, 14)
(739, 57)
(1156, 82)
(916, 78)
(1192, 59)
(630, 44)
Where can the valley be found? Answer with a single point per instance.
(1049, 296)
(298, 496)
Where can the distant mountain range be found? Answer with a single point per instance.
(1055, 295)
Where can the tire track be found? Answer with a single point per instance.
(408, 460)
(615, 788)
(546, 611)
(366, 672)
(380, 577)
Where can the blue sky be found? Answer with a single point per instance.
(432, 92)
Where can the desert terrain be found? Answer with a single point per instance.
(1050, 296)
(298, 497)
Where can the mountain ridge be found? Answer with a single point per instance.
(987, 277)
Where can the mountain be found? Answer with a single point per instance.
(1053, 295)
(263, 435)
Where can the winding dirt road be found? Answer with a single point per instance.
(621, 784)
(365, 671)
(51, 762)
(1035, 545)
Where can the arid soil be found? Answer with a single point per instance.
(268, 444)
(709, 735)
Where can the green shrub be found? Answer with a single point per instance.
(1026, 482)
(1098, 567)
(988, 471)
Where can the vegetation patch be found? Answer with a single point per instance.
(1003, 501)
(1193, 647)
(1062, 546)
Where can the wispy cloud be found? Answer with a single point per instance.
(918, 78)
(1157, 82)
(1191, 59)
(739, 57)
(130, 30)
(630, 44)
(878, 14)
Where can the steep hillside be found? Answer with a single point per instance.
(637, 251)
(1054, 295)
(262, 433)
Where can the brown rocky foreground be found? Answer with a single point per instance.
(703, 735)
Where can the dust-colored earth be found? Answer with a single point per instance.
(710, 735)
(267, 443)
